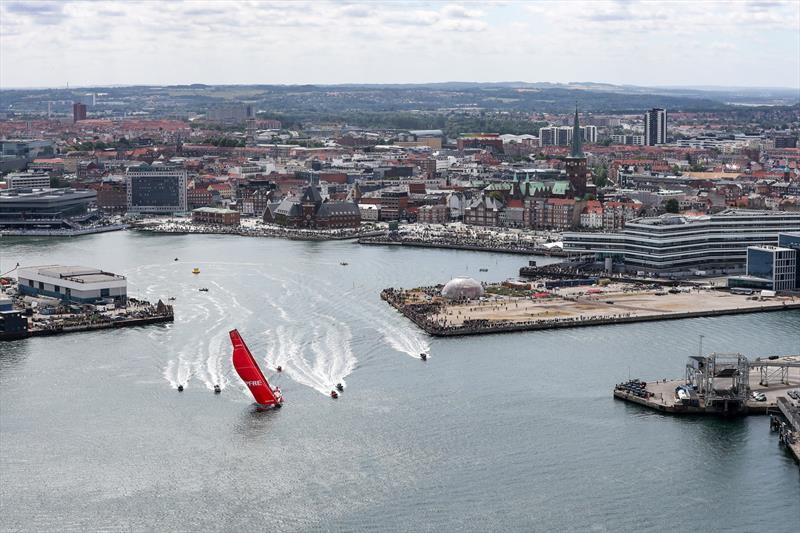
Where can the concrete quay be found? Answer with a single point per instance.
(618, 303)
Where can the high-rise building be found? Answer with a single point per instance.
(78, 112)
(655, 126)
(576, 161)
(156, 189)
(562, 135)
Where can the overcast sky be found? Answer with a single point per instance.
(700, 42)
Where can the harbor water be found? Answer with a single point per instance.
(492, 433)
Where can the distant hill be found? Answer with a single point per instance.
(311, 100)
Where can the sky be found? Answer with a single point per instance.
(648, 43)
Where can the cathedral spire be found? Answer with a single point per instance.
(577, 137)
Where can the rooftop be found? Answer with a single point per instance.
(79, 274)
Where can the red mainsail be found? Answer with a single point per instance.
(251, 374)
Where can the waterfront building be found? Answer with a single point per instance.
(156, 189)
(75, 284)
(433, 214)
(44, 208)
(213, 215)
(792, 240)
(674, 243)
(483, 211)
(655, 127)
(773, 263)
(28, 180)
(311, 211)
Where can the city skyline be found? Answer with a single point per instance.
(741, 44)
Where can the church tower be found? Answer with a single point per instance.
(576, 162)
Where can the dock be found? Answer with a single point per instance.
(728, 385)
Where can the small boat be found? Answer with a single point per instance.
(334, 394)
(176, 259)
(247, 368)
(344, 264)
(217, 389)
(203, 289)
(484, 269)
(339, 387)
(279, 369)
(423, 356)
(180, 388)
(195, 270)
(171, 298)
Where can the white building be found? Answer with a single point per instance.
(28, 180)
(369, 212)
(76, 284)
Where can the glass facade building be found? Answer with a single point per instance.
(156, 189)
(674, 243)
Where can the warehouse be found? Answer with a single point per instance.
(76, 284)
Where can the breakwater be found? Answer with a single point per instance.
(505, 249)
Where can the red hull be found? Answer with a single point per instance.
(247, 368)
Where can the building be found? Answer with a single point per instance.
(370, 212)
(44, 208)
(78, 112)
(674, 243)
(156, 189)
(394, 203)
(112, 197)
(483, 211)
(311, 211)
(635, 140)
(213, 215)
(576, 161)
(231, 114)
(433, 214)
(786, 141)
(775, 264)
(562, 135)
(75, 284)
(655, 127)
(28, 180)
(792, 240)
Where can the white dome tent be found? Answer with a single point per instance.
(462, 287)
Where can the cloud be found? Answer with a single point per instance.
(326, 41)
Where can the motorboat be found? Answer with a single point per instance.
(176, 259)
(334, 394)
(344, 264)
(203, 289)
(195, 270)
(180, 388)
(423, 356)
(217, 389)
(339, 387)
(171, 298)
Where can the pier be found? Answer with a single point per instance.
(505, 310)
(728, 385)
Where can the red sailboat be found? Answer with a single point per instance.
(251, 374)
